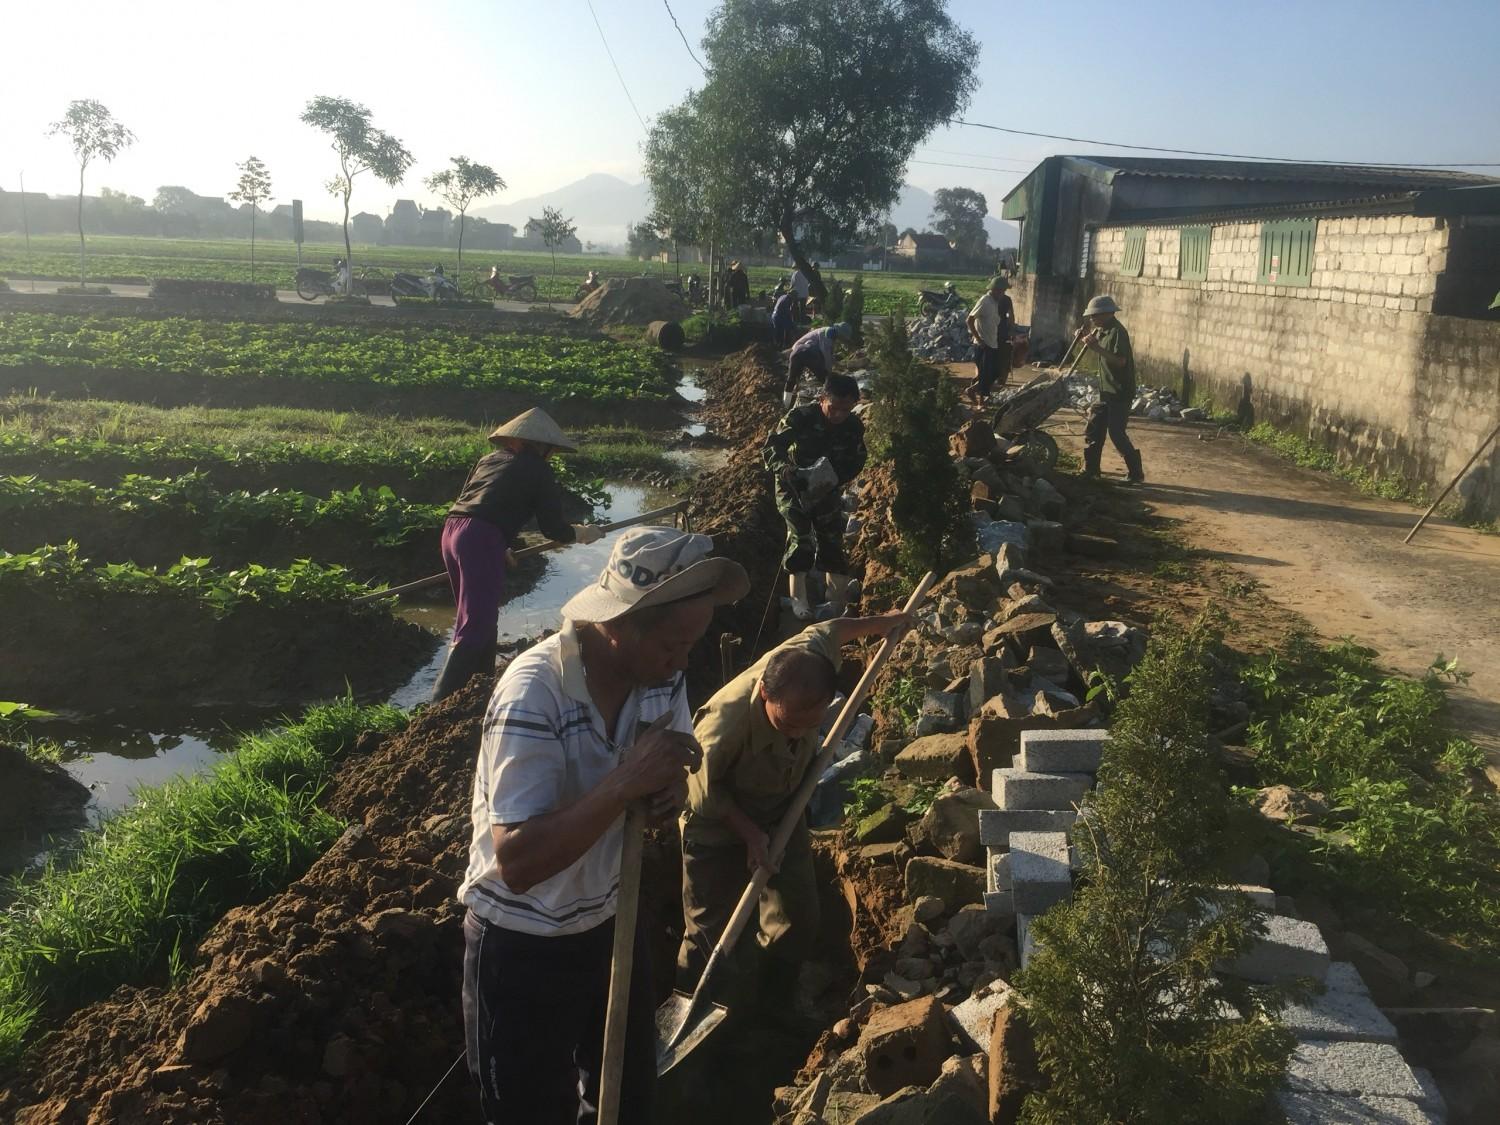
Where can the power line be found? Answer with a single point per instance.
(1025, 164)
(975, 167)
(1220, 155)
(678, 26)
(616, 65)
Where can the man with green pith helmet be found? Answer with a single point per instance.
(1107, 353)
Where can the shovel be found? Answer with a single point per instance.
(525, 552)
(683, 1021)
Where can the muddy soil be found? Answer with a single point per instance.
(159, 652)
(168, 388)
(1323, 551)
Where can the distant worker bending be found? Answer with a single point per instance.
(814, 452)
(1109, 356)
(813, 355)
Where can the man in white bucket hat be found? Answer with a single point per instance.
(1111, 358)
(579, 726)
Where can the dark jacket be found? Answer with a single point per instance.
(508, 489)
(803, 435)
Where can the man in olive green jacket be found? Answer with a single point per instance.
(1108, 354)
(760, 735)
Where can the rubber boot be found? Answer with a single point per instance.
(463, 662)
(838, 592)
(801, 608)
(1133, 464)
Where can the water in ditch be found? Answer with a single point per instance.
(111, 761)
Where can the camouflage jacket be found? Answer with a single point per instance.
(803, 435)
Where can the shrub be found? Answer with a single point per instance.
(854, 308)
(908, 426)
(197, 289)
(1128, 1013)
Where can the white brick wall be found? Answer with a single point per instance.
(1351, 357)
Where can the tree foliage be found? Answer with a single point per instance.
(1128, 1011)
(95, 135)
(253, 187)
(908, 427)
(809, 113)
(555, 229)
(460, 185)
(360, 148)
(958, 214)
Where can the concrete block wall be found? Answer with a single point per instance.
(1356, 360)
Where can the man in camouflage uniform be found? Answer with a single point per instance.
(815, 522)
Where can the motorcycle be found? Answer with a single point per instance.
(590, 283)
(312, 283)
(938, 300)
(494, 287)
(435, 287)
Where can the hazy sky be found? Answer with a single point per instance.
(528, 88)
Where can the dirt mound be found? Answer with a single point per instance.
(630, 300)
(336, 1000)
(743, 397)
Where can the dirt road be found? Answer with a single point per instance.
(1323, 550)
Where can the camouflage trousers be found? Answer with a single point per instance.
(815, 539)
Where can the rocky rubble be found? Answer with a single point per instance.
(1155, 403)
(943, 336)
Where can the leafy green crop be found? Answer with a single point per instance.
(58, 569)
(1413, 834)
(388, 519)
(552, 367)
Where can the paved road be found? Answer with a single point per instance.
(1335, 556)
(41, 288)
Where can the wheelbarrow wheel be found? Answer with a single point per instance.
(1039, 447)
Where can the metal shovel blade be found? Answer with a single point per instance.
(681, 1025)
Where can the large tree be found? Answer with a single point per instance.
(95, 135)
(460, 186)
(254, 188)
(958, 214)
(811, 109)
(360, 148)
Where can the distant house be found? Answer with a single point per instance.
(532, 240)
(1349, 304)
(401, 224)
(366, 227)
(925, 251)
(481, 234)
(432, 227)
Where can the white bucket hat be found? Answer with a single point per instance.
(653, 566)
(1100, 305)
(535, 425)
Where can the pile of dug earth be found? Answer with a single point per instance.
(630, 300)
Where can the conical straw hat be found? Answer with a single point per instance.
(535, 425)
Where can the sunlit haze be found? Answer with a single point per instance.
(529, 89)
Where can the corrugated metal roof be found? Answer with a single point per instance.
(1390, 179)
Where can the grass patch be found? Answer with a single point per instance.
(129, 900)
(1302, 452)
(1410, 831)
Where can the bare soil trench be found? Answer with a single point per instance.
(1333, 556)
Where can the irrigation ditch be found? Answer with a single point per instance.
(336, 998)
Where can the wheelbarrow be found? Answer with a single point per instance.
(1020, 413)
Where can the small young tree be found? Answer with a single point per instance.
(254, 188)
(360, 147)
(908, 427)
(1122, 993)
(555, 229)
(95, 135)
(460, 186)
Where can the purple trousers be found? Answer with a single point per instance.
(474, 554)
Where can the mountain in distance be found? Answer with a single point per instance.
(603, 205)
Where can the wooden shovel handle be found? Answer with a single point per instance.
(622, 965)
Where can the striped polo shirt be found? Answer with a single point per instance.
(544, 746)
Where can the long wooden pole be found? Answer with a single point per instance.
(525, 553)
(750, 899)
(1452, 483)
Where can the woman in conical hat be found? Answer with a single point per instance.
(504, 490)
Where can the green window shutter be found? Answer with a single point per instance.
(1135, 252)
(1192, 254)
(1286, 252)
